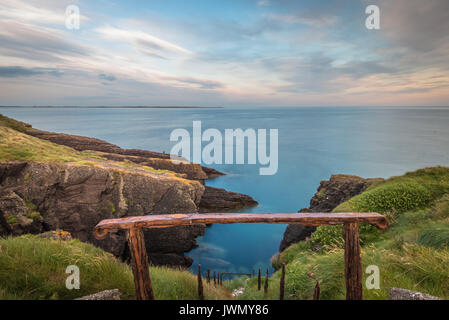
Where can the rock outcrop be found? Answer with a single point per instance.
(37, 197)
(338, 189)
(220, 200)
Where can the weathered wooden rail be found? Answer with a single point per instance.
(139, 258)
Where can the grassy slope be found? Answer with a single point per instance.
(413, 253)
(34, 268)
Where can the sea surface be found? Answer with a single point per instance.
(314, 143)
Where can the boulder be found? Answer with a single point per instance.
(404, 294)
(113, 294)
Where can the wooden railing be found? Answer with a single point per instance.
(139, 258)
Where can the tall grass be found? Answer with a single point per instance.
(34, 268)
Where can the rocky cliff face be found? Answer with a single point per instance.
(338, 189)
(36, 197)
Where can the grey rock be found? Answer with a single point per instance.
(113, 294)
(404, 294)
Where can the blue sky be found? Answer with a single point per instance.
(226, 53)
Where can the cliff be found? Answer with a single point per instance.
(330, 193)
(54, 181)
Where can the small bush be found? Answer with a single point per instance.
(394, 197)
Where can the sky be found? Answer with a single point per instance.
(224, 53)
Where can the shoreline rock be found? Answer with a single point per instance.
(221, 200)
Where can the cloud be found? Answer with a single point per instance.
(17, 71)
(263, 3)
(321, 20)
(143, 42)
(35, 43)
(203, 84)
(107, 77)
(41, 13)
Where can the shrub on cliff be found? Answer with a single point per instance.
(32, 267)
(392, 197)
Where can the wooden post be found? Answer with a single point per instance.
(258, 281)
(215, 278)
(200, 284)
(208, 275)
(139, 264)
(265, 287)
(282, 283)
(353, 262)
(316, 292)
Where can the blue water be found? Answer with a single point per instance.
(313, 144)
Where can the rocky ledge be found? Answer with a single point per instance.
(111, 151)
(220, 200)
(338, 189)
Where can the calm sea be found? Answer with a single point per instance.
(313, 144)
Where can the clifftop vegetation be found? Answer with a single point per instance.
(412, 254)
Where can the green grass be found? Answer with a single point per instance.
(13, 124)
(412, 254)
(34, 268)
(17, 146)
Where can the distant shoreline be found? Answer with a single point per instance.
(115, 107)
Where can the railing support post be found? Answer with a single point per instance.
(200, 284)
(139, 264)
(353, 262)
(282, 283)
(265, 287)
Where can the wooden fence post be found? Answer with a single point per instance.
(282, 283)
(139, 264)
(265, 287)
(353, 262)
(200, 284)
(258, 281)
(316, 292)
(208, 275)
(215, 278)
